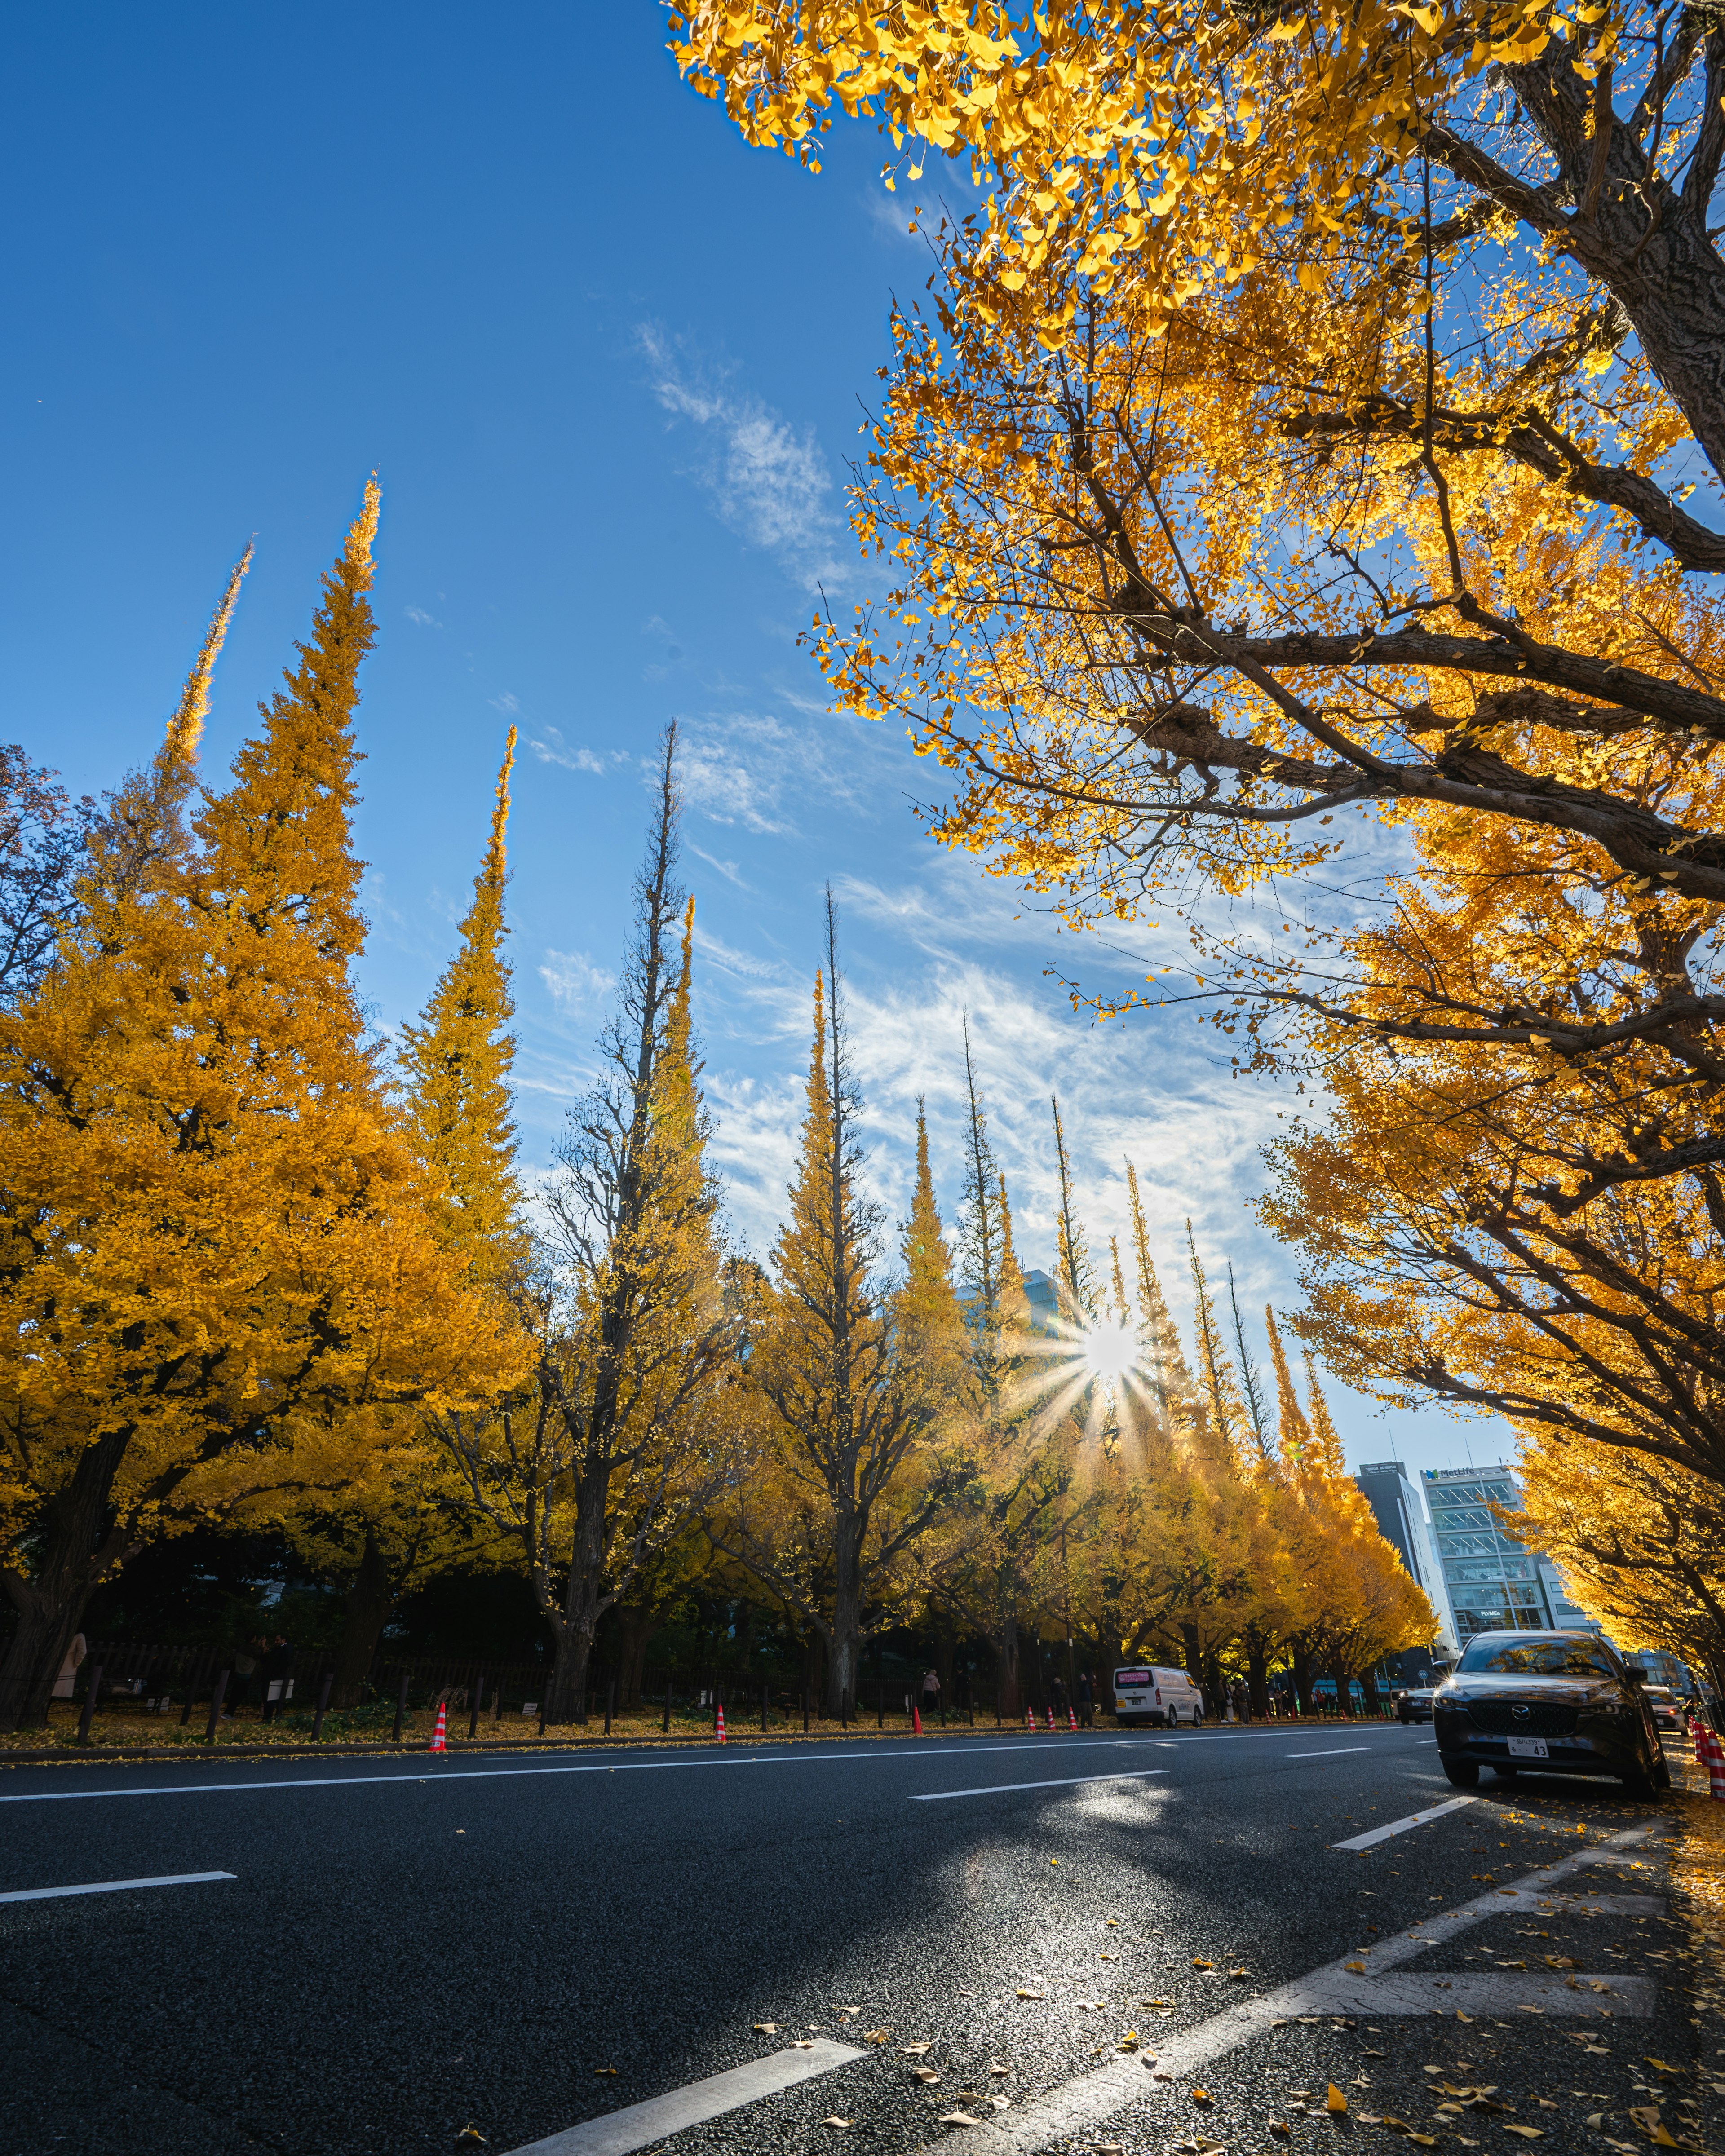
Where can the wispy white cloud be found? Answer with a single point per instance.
(767, 478)
(728, 870)
(554, 749)
(418, 614)
(575, 984)
(506, 703)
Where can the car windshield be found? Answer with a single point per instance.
(1545, 1657)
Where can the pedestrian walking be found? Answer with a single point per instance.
(931, 1695)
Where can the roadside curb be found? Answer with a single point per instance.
(118, 1755)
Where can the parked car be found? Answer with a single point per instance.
(1165, 1697)
(1668, 1710)
(1412, 1702)
(1553, 1702)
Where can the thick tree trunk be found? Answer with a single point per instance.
(1344, 1692)
(1368, 1685)
(1257, 1679)
(583, 1605)
(1008, 1686)
(844, 1655)
(78, 1552)
(366, 1608)
(1301, 1660)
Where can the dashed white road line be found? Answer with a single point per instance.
(115, 1886)
(616, 2132)
(1082, 2104)
(1338, 1752)
(1062, 1782)
(1401, 1826)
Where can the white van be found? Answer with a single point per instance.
(1166, 1697)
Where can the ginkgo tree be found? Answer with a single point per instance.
(219, 1276)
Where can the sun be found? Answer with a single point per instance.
(1110, 1350)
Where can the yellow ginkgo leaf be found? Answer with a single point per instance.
(1336, 2102)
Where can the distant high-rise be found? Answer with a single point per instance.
(1400, 1513)
(1496, 1583)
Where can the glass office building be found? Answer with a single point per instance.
(1495, 1584)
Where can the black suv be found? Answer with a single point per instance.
(1554, 1702)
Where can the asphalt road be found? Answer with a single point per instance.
(411, 1951)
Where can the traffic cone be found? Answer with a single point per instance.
(1030, 1720)
(1072, 1718)
(437, 1734)
(1715, 1766)
(1050, 1717)
(719, 1734)
(916, 1722)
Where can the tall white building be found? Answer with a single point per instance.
(1399, 1510)
(1494, 1583)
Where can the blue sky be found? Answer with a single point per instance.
(608, 364)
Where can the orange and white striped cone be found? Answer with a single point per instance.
(1696, 1726)
(719, 1731)
(1050, 1717)
(1715, 1766)
(437, 1734)
(1030, 1720)
(1071, 1719)
(916, 1721)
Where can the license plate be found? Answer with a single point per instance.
(1527, 1747)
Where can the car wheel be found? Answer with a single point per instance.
(1461, 1774)
(1662, 1774)
(1404, 1719)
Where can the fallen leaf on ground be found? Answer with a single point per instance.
(1527, 2133)
(766, 2028)
(1460, 2016)
(1530, 2009)
(915, 2050)
(999, 2070)
(803, 2044)
(473, 2134)
(1336, 2102)
(1354, 1967)
(1113, 1923)
(1659, 2066)
(1202, 2095)
(1023, 1994)
(1281, 2127)
(604, 2070)
(925, 2073)
(1561, 1961)
(959, 2119)
(1596, 2120)
(836, 2121)
(875, 2035)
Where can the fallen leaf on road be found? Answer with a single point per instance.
(1659, 2066)
(836, 2121)
(959, 2119)
(1111, 2149)
(1281, 2127)
(1197, 1964)
(1460, 2016)
(1337, 2102)
(999, 2070)
(915, 2050)
(1107, 1957)
(1359, 2081)
(1354, 1967)
(1561, 1961)
(1530, 2009)
(1238, 1972)
(1023, 1994)
(1113, 1923)
(875, 2035)
(1202, 2095)
(766, 2028)
(925, 2073)
(1527, 2133)
(604, 2070)
(1156, 2002)
(473, 2134)
(1596, 2120)
(803, 2044)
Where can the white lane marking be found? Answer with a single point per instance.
(115, 1886)
(1401, 1826)
(799, 1759)
(1085, 2102)
(1063, 1781)
(616, 2132)
(1336, 1754)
